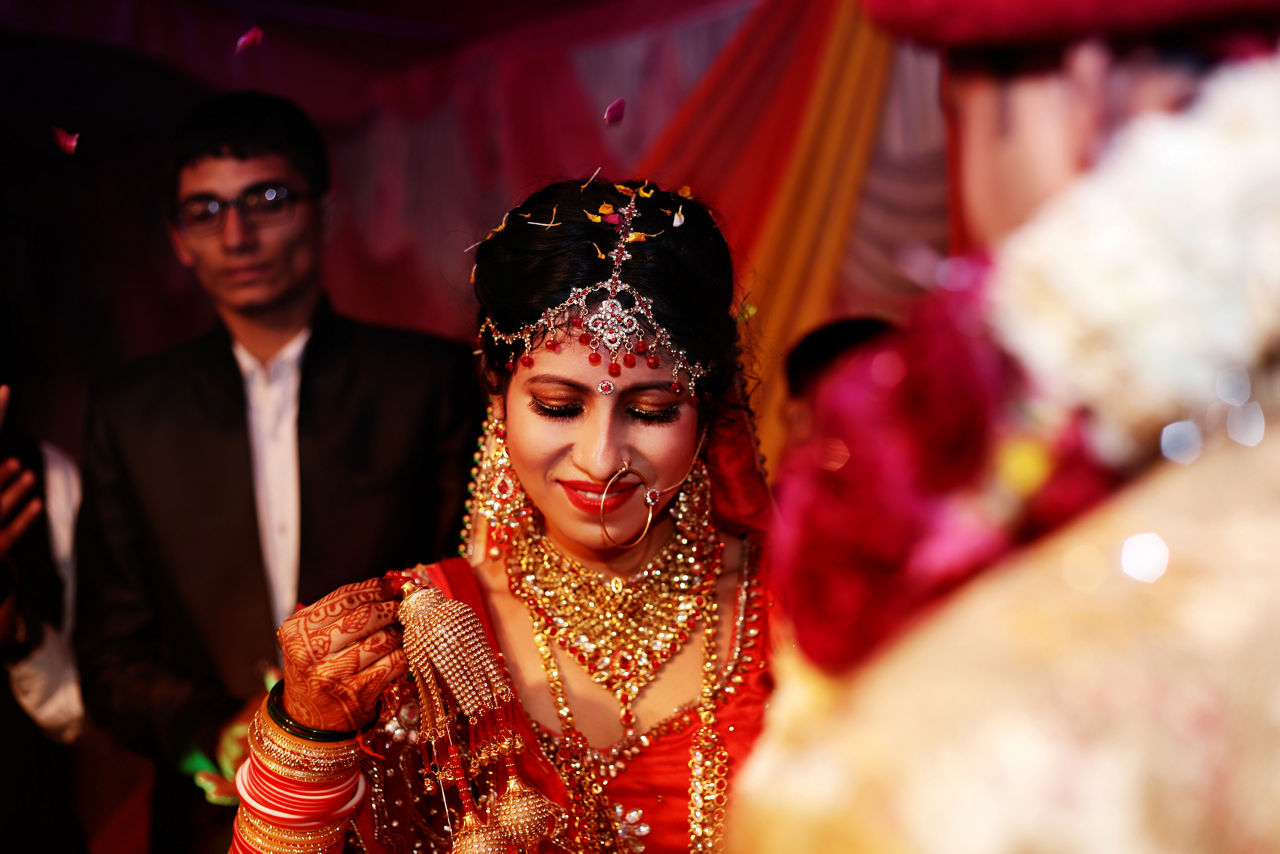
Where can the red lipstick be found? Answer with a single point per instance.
(585, 495)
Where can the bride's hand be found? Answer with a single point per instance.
(340, 653)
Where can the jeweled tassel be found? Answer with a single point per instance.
(477, 837)
(522, 813)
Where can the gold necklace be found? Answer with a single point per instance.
(623, 632)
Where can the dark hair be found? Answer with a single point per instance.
(1195, 47)
(250, 124)
(817, 351)
(525, 267)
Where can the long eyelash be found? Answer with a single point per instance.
(660, 416)
(562, 412)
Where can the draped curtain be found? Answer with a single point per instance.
(778, 136)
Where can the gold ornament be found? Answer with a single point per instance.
(623, 632)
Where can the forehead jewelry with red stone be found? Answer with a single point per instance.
(621, 323)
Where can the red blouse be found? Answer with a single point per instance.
(644, 782)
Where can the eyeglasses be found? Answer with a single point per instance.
(261, 205)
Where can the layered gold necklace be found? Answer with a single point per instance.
(622, 632)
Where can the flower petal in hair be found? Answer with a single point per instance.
(622, 322)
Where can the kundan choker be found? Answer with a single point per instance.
(621, 323)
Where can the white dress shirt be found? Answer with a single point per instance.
(45, 683)
(272, 394)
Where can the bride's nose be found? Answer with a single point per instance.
(600, 447)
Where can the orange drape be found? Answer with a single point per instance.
(778, 137)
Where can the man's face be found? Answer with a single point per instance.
(1019, 146)
(249, 263)
(1025, 139)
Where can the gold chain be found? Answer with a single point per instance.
(698, 553)
(622, 632)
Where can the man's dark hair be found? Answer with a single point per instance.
(251, 124)
(813, 354)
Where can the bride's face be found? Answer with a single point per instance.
(566, 438)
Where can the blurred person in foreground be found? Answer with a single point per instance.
(1029, 556)
(288, 451)
(41, 713)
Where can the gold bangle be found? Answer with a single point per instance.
(297, 759)
(272, 839)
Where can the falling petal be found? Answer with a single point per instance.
(613, 112)
(606, 208)
(65, 140)
(251, 37)
(643, 194)
(589, 180)
(678, 219)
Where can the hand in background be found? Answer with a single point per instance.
(340, 653)
(17, 508)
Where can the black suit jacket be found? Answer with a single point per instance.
(173, 623)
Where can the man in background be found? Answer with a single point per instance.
(287, 452)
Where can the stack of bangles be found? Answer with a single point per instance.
(298, 786)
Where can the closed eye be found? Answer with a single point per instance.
(655, 416)
(554, 411)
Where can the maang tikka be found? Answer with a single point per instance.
(621, 323)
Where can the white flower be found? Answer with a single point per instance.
(1130, 292)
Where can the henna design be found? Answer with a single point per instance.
(340, 653)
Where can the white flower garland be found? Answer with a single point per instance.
(1130, 292)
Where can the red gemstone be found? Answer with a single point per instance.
(576, 322)
(526, 360)
(553, 346)
(594, 358)
(653, 361)
(642, 345)
(584, 339)
(676, 388)
(629, 359)
(614, 369)
(511, 366)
